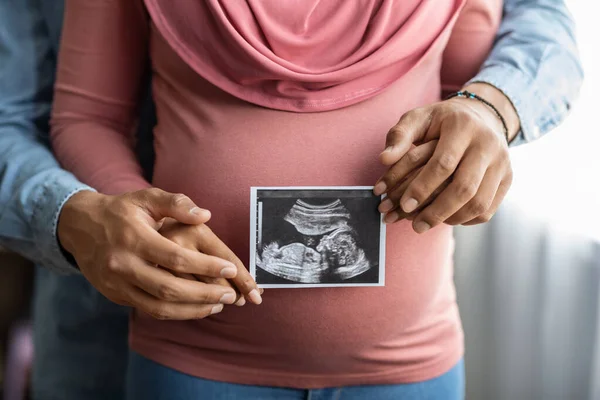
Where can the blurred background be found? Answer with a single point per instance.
(528, 282)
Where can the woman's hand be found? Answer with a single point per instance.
(464, 157)
(202, 238)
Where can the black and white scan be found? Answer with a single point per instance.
(317, 237)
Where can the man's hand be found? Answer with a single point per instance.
(409, 166)
(202, 238)
(463, 155)
(115, 242)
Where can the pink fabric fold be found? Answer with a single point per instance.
(304, 56)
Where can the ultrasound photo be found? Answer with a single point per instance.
(316, 237)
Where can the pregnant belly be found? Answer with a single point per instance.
(216, 147)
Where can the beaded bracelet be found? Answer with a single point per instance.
(469, 95)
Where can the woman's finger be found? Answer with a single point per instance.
(165, 310)
(156, 249)
(240, 300)
(412, 160)
(185, 236)
(165, 286)
(460, 191)
(390, 202)
(210, 243)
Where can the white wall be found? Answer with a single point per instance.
(529, 282)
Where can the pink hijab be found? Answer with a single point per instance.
(304, 55)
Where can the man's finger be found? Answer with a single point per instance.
(166, 286)
(482, 201)
(156, 249)
(397, 214)
(446, 157)
(460, 191)
(500, 194)
(165, 310)
(210, 243)
(161, 204)
(415, 158)
(411, 128)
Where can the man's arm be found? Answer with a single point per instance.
(532, 76)
(39, 200)
(33, 187)
(535, 63)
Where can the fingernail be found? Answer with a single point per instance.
(422, 227)
(229, 272)
(380, 188)
(386, 206)
(241, 302)
(196, 211)
(410, 205)
(217, 309)
(388, 149)
(391, 218)
(227, 298)
(255, 296)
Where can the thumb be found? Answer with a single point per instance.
(161, 204)
(411, 128)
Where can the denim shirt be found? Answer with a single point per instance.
(534, 62)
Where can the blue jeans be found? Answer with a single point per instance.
(148, 380)
(80, 341)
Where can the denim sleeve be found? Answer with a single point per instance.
(535, 63)
(33, 187)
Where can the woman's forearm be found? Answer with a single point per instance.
(101, 64)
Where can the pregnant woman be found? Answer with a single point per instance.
(297, 93)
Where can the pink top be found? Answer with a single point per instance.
(213, 142)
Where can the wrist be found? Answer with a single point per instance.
(501, 102)
(73, 213)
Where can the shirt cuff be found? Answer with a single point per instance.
(54, 194)
(521, 91)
